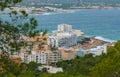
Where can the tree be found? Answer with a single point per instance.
(80, 65)
(109, 66)
(8, 3)
(13, 33)
(28, 73)
(32, 66)
(7, 75)
(12, 38)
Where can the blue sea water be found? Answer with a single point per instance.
(103, 23)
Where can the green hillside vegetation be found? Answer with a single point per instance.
(110, 66)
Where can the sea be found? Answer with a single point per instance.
(103, 24)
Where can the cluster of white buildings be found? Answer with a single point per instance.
(43, 57)
(65, 36)
(96, 51)
(64, 39)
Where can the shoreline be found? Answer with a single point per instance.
(70, 10)
(39, 12)
(101, 38)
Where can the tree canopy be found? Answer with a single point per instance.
(109, 67)
(13, 32)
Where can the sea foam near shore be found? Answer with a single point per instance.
(104, 39)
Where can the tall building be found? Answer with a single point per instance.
(62, 40)
(64, 27)
(65, 36)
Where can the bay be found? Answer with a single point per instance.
(103, 23)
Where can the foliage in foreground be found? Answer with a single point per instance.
(101, 66)
(110, 66)
(88, 66)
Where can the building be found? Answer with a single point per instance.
(64, 28)
(37, 52)
(99, 50)
(96, 51)
(43, 57)
(54, 57)
(81, 52)
(62, 40)
(51, 69)
(68, 54)
(65, 36)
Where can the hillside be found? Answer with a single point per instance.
(76, 2)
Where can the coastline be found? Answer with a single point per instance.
(40, 11)
(76, 8)
(100, 37)
(72, 11)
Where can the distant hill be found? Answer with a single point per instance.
(75, 2)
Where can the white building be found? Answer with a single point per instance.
(65, 36)
(99, 50)
(51, 69)
(96, 51)
(64, 27)
(62, 40)
(43, 57)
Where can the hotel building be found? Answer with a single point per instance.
(65, 36)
